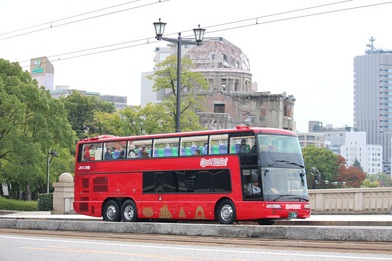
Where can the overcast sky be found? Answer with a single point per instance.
(308, 54)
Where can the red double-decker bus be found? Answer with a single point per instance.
(240, 174)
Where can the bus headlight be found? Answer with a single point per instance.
(274, 206)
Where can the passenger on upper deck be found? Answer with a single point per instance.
(253, 149)
(144, 153)
(132, 153)
(122, 155)
(243, 147)
(108, 154)
(92, 152)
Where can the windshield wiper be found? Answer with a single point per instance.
(291, 163)
(291, 196)
(281, 196)
(301, 198)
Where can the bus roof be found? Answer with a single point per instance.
(239, 128)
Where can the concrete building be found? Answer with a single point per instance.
(120, 102)
(334, 137)
(355, 148)
(311, 139)
(372, 98)
(349, 144)
(42, 70)
(231, 97)
(64, 90)
(314, 126)
(161, 53)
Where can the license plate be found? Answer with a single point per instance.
(292, 215)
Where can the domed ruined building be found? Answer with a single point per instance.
(232, 97)
(224, 65)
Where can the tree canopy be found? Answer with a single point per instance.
(321, 160)
(81, 111)
(165, 78)
(31, 123)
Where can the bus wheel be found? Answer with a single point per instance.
(128, 211)
(111, 211)
(225, 212)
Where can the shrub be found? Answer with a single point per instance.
(45, 202)
(20, 205)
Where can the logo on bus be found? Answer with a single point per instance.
(213, 162)
(83, 167)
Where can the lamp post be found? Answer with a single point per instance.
(52, 153)
(199, 34)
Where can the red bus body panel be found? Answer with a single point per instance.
(97, 181)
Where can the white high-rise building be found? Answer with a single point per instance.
(355, 148)
(373, 98)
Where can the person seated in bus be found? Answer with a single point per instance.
(86, 153)
(108, 154)
(243, 147)
(144, 153)
(197, 152)
(122, 155)
(132, 154)
(253, 187)
(91, 151)
(253, 149)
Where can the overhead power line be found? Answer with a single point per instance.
(53, 24)
(257, 22)
(248, 22)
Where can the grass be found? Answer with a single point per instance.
(13, 204)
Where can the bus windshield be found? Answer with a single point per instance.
(282, 168)
(284, 184)
(280, 150)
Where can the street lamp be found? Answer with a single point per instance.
(199, 34)
(51, 154)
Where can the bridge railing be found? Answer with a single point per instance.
(351, 201)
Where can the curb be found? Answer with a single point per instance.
(332, 233)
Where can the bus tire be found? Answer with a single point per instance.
(129, 211)
(111, 211)
(225, 212)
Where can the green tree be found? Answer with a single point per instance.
(165, 78)
(367, 183)
(380, 179)
(151, 119)
(81, 111)
(31, 122)
(357, 164)
(109, 123)
(320, 160)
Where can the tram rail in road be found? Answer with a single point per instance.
(308, 245)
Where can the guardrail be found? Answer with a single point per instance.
(351, 201)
